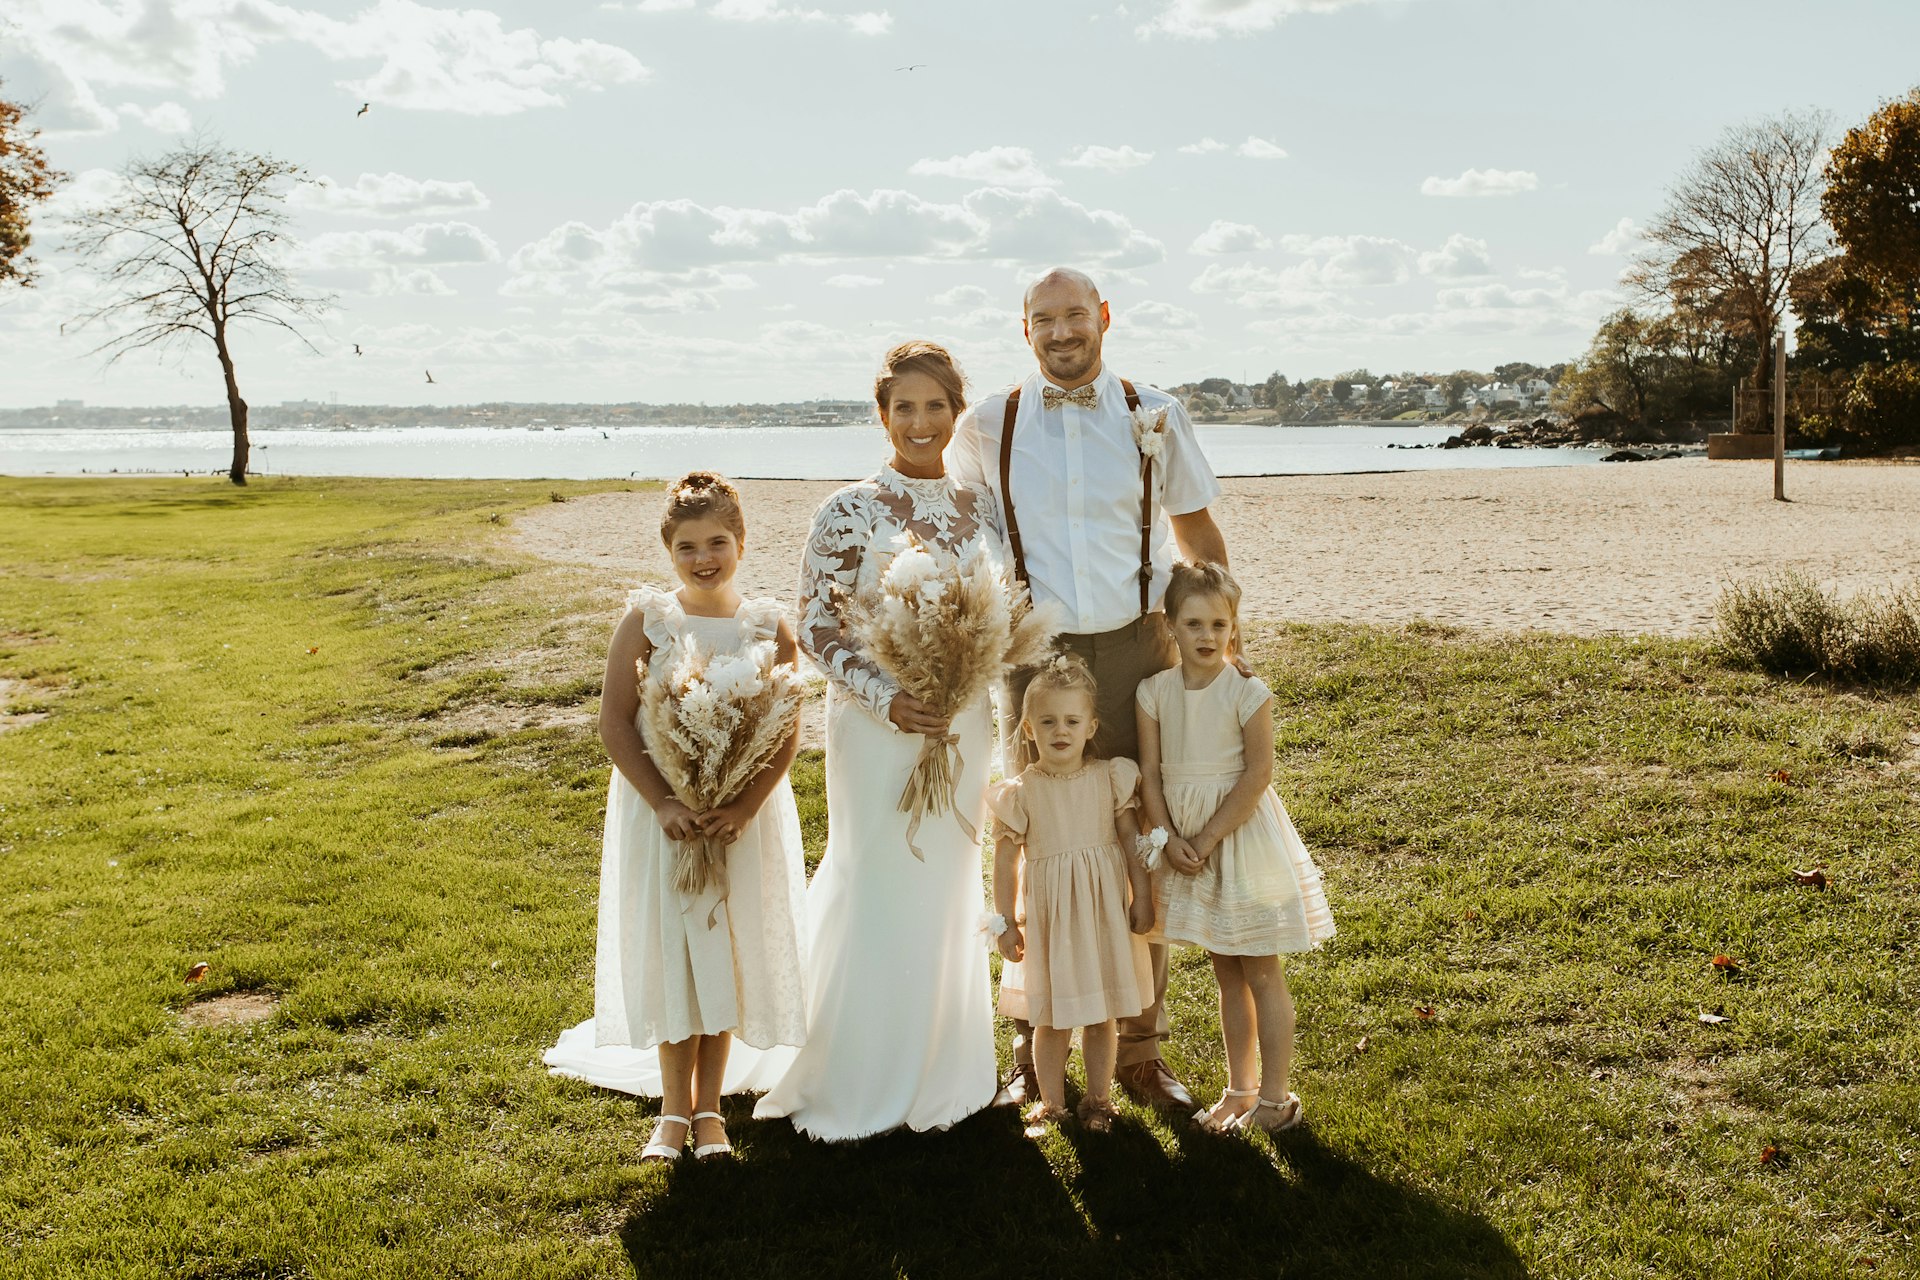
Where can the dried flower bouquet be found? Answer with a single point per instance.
(946, 630)
(710, 728)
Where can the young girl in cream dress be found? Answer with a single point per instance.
(688, 976)
(1230, 873)
(1082, 960)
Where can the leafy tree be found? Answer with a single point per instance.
(1342, 390)
(1456, 386)
(1742, 224)
(1872, 195)
(191, 248)
(25, 180)
(1216, 386)
(1278, 393)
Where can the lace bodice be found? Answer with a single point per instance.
(852, 542)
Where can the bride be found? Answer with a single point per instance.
(900, 1029)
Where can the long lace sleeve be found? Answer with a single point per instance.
(829, 572)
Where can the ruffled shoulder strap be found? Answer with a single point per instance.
(664, 616)
(761, 615)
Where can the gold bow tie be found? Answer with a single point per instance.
(1052, 397)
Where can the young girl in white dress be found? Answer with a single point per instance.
(690, 975)
(1082, 960)
(1233, 875)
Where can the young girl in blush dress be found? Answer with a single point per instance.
(1230, 873)
(691, 974)
(1082, 959)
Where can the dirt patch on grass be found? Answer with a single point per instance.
(235, 1009)
(475, 723)
(16, 704)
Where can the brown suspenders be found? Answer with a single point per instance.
(1013, 521)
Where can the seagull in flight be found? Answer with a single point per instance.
(430, 378)
(911, 67)
(364, 108)
(356, 348)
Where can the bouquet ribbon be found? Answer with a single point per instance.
(930, 787)
(700, 864)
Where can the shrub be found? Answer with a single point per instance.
(1788, 623)
(1879, 409)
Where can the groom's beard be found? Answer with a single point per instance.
(1068, 364)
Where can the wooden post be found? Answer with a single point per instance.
(1780, 417)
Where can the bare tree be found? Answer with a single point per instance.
(1742, 224)
(25, 180)
(191, 248)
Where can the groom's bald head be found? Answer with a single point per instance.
(1061, 277)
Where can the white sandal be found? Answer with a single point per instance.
(712, 1149)
(656, 1150)
(1204, 1116)
(1290, 1109)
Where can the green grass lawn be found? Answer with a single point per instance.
(330, 737)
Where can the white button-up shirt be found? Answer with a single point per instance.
(1075, 475)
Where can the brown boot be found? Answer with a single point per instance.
(1150, 1084)
(1021, 1088)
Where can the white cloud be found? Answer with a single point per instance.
(166, 117)
(1158, 316)
(460, 60)
(1229, 237)
(1347, 261)
(1204, 147)
(854, 282)
(865, 24)
(1262, 288)
(1496, 296)
(1625, 237)
(390, 195)
(1209, 19)
(420, 280)
(423, 244)
(963, 295)
(1260, 149)
(1112, 159)
(1459, 258)
(1481, 183)
(1044, 226)
(1001, 166)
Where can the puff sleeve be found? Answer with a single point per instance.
(1008, 800)
(1126, 783)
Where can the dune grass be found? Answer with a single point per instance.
(330, 738)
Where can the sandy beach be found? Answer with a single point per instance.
(1633, 547)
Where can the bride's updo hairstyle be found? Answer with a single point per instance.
(920, 356)
(703, 495)
(1203, 579)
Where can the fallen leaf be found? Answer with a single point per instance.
(1781, 775)
(1726, 964)
(1714, 1019)
(1424, 1012)
(1816, 877)
(313, 648)
(198, 971)
(1768, 1154)
(1470, 914)
(1361, 1045)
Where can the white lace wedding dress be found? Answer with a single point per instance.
(900, 1027)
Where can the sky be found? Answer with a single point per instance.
(750, 200)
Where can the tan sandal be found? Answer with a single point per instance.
(1098, 1117)
(1286, 1114)
(1040, 1117)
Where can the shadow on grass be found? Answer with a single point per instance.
(981, 1200)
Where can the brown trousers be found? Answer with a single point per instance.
(1119, 660)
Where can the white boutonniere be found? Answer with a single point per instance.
(1150, 432)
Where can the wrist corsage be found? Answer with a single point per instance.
(1149, 845)
(992, 926)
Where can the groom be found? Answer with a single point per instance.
(1093, 532)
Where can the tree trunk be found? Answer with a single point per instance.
(236, 410)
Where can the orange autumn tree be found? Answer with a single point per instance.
(25, 180)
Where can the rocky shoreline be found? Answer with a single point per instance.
(1591, 430)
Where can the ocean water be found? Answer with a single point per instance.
(659, 452)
